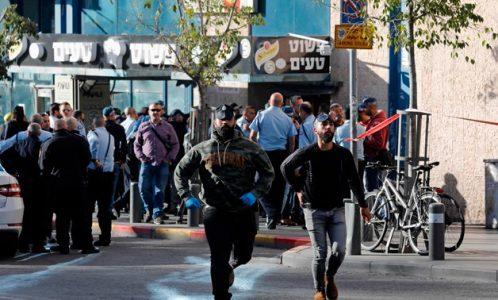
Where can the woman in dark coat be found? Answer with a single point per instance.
(17, 124)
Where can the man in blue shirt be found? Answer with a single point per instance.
(101, 176)
(306, 133)
(21, 136)
(277, 136)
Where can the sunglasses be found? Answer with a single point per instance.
(155, 110)
(67, 109)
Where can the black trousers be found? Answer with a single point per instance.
(226, 231)
(100, 191)
(36, 210)
(72, 210)
(273, 201)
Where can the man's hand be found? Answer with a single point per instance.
(365, 214)
(98, 164)
(192, 203)
(248, 199)
(300, 197)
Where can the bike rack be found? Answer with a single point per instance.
(416, 119)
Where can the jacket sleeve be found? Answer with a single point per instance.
(378, 139)
(295, 161)
(46, 162)
(266, 174)
(354, 179)
(184, 171)
(121, 137)
(173, 139)
(137, 145)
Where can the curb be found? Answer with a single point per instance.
(197, 234)
(433, 270)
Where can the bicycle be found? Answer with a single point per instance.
(389, 209)
(454, 217)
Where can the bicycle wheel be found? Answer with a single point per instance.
(455, 223)
(372, 233)
(418, 224)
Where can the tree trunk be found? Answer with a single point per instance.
(201, 128)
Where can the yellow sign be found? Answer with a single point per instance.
(352, 37)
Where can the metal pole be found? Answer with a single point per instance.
(436, 231)
(135, 204)
(353, 244)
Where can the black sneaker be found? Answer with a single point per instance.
(60, 249)
(23, 249)
(92, 250)
(39, 249)
(101, 243)
(75, 247)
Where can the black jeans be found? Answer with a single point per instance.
(72, 209)
(273, 201)
(36, 211)
(100, 185)
(226, 231)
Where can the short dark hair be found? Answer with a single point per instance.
(77, 114)
(54, 107)
(306, 107)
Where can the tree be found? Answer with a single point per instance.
(422, 24)
(13, 28)
(205, 33)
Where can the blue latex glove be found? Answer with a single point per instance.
(249, 199)
(192, 203)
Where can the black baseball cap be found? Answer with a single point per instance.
(323, 118)
(224, 112)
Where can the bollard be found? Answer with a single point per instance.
(353, 225)
(193, 215)
(135, 204)
(436, 231)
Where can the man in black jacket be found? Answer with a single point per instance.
(227, 165)
(120, 148)
(318, 173)
(64, 159)
(35, 208)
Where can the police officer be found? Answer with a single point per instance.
(64, 158)
(227, 165)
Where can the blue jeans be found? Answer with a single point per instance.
(152, 182)
(117, 173)
(320, 224)
(372, 177)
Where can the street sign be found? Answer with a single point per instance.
(351, 37)
(351, 11)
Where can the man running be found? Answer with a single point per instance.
(227, 165)
(318, 173)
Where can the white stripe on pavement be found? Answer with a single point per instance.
(33, 256)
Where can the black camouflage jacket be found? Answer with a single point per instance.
(227, 170)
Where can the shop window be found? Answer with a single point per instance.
(179, 97)
(120, 93)
(146, 92)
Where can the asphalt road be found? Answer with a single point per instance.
(161, 269)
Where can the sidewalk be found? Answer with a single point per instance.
(475, 260)
(282, 238)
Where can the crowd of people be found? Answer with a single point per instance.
(294, 164)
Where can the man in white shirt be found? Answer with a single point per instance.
(101, 176)
(245, 121)
(128, 124)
